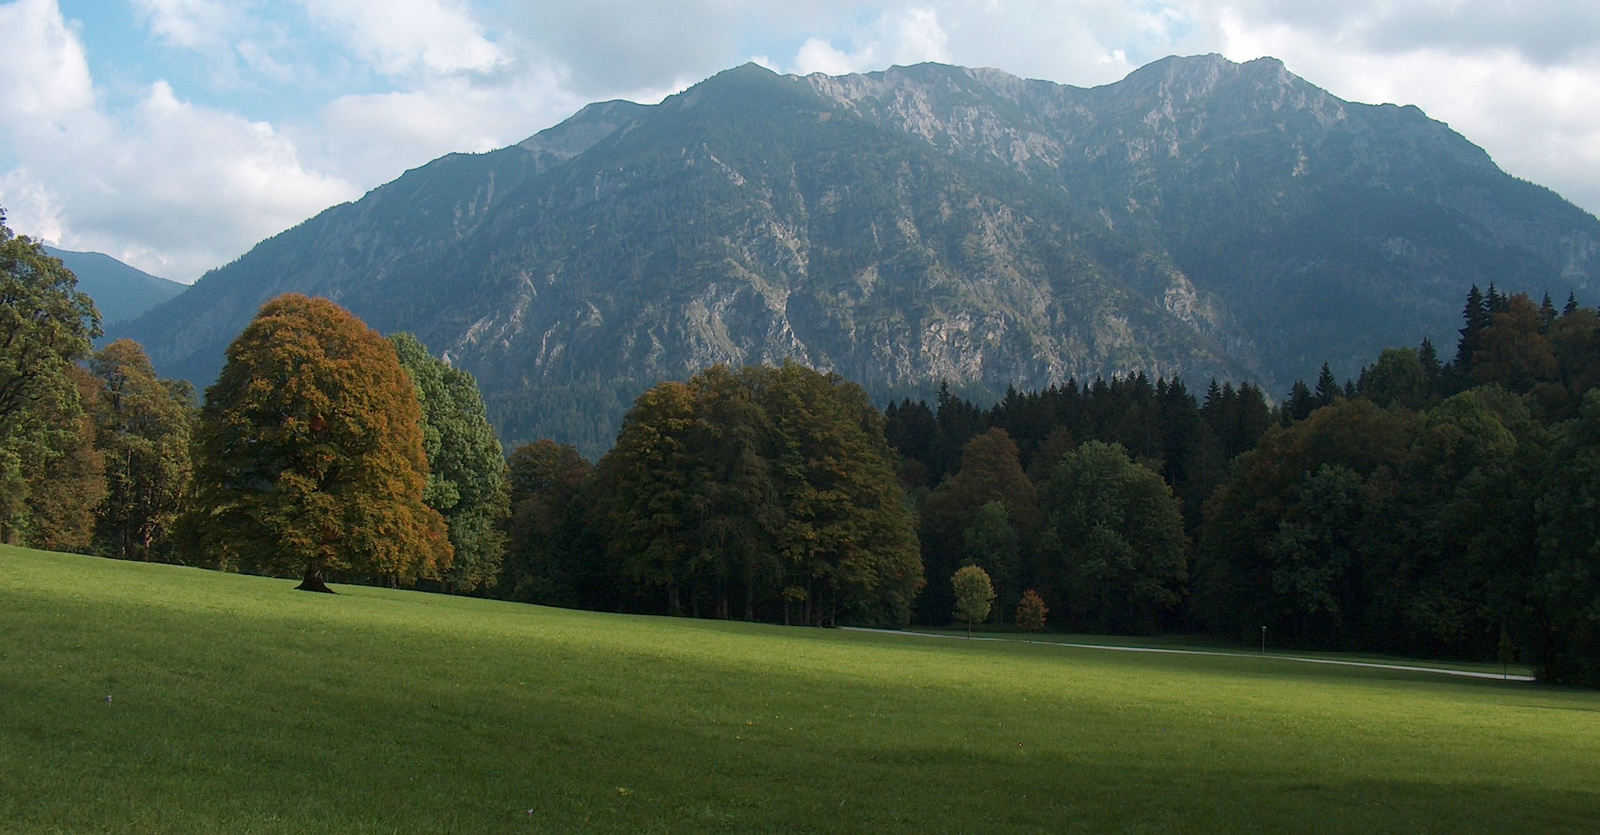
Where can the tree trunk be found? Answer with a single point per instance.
(313, 581)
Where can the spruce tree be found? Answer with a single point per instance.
(1476, 317)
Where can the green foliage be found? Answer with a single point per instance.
(994, 544)
(955, 531)
(46, 326)
(1031, 612)
(544, 478)
(309, 454)
(466, 466)
(757, 481)
(1114, 547)
(1565, 643)
(974, 594)
(142, 428)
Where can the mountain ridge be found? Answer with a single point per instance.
(919, 224)
(120, 291)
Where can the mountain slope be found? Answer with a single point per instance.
(120, 292)
(922, 224)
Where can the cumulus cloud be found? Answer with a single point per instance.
(167, 186)
(1535, 117)
(190, 24)
(403, 36)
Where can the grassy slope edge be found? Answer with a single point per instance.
(236, 704)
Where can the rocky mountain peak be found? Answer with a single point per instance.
(916, 225)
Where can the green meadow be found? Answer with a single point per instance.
(147, 698)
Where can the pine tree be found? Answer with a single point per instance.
(1476, 317)
(1328, 388)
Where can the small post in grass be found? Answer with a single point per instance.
(1263, 640)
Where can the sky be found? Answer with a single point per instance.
(176, 134)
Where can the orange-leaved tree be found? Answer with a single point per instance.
(309, 455)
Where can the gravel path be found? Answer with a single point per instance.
(1405, 667)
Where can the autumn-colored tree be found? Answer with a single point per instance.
(466, 466)
(45, 328)
(974, 594)
(309, 454)
(142, 428)
(1031, 612)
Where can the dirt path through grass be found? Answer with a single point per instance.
(1374, 665)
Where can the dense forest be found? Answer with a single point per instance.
(1427, 507)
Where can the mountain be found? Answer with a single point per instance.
(927, 223)
(120, 292)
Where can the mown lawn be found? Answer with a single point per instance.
(137, 698)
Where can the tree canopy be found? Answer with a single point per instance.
(757, 482)
(47, 461)
(310, 454)
(466, 466)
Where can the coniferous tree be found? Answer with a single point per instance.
(1328, 388)
(1476, 318)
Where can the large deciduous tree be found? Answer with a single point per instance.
(142, 428)
(1114, 546)
(310, 454)
(46, 326)
(757, 483)
(544, 478)
(466, 466)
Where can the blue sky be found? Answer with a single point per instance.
(175, 134)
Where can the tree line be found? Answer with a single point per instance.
(1428, 507)
(323, 449)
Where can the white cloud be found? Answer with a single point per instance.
(1537, 120)
(909, 36)
(403, 36)
(198, 25)
(168, 186)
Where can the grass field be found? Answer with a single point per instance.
(139, 698)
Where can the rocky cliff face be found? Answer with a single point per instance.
(927, 223)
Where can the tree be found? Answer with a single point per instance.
(1114, 543)
(760, 481)
(993, 544)
(974, 594)
(466, 466)
(142, 428)
(310, 457)
(1397, 378)
(543, 478)
(1031, 612)
(65, 482)
(990, 472)
(46, 326)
